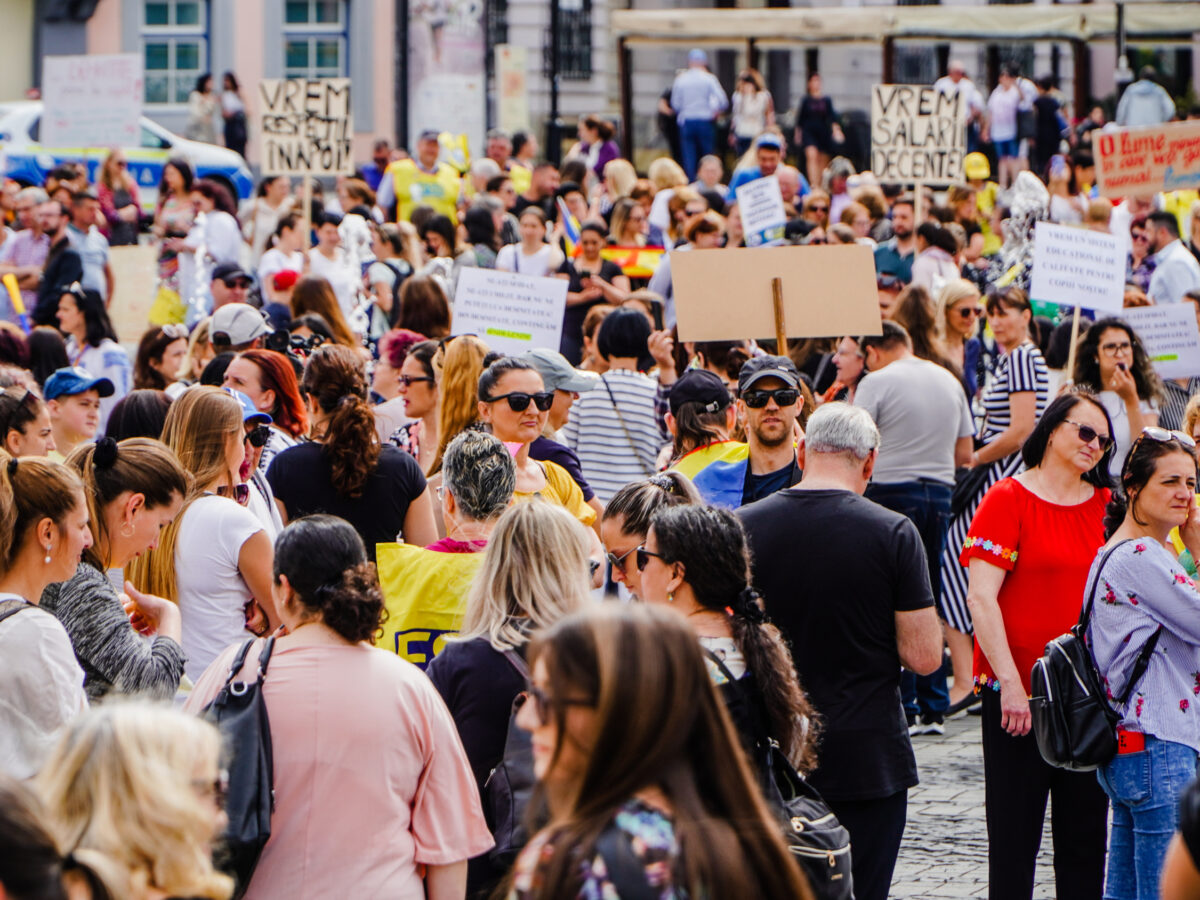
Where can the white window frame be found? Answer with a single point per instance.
(312, 32)
(172, 35)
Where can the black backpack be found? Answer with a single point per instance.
(509, 786)
(240, 713)
(1073, 722)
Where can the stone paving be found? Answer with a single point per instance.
(944, 853)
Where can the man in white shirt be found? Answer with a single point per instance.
(1175, 269)
(697, 98)
(955, 83)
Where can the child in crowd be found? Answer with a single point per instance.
(73, 398)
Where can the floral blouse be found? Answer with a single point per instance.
(651, 837)
(1141, 587)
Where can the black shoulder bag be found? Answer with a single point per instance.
(240, 712)
(509, 787)
(1073, 721)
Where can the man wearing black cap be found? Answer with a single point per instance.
(229, 285)
(409, 183)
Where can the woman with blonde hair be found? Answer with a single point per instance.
(199, 354)
(619, 179)
(667, 177)
(118, 193)
(214, 560)
(142, 786)
(458, 365)
(535, 571)
(314, 294)
(956, 315)
(628, 226)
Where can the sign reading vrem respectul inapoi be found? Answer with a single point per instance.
(306, 125)
(918, 134)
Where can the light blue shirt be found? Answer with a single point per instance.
(1175, 273)
(697, 94)
(92, 248)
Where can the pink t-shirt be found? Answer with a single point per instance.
(370, 775)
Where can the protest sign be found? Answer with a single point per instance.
(1170, 335)
(91, 101)
(512, 96)
(760, 203)
(726, 295)
(918, 134)
(1144, 161)
(1076, 267)
(512, 313)
(306, 125)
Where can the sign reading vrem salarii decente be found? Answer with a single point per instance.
(307, 127)
(918, 134)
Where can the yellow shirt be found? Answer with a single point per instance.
(1179, 204)
(985, 202)
(562, 490)
(415, 187)
(521, 177)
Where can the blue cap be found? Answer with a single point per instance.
(68, 382)
(698, 56)
(250, 415)
(769, 139)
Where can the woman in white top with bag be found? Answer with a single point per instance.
(533, 256)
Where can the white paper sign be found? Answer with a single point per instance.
(1170, 336)
(91, 101)
(509, 312)
(1076, 267)
(760, 203)
(307, 126)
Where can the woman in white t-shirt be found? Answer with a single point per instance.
(1112, 363)
(533, 256)
(213, 239)
(284, 255)
(330, 261)
(43, 534)
(215, 559)
(1002, 108)
(753, 110)
(261, 215)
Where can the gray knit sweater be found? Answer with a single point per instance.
(113, 656)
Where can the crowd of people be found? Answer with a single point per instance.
(553, 624)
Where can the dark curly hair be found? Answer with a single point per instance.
(334, 378)
(711, 545)
(1087, 360)
(1140, 466)
(326, 564)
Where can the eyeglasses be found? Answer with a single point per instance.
(174, 331)
(218, 788)
(1087, 434)
(818, 209)
(1123, 347)
(970, 312)
(409, 380)
(888, 282)
(759, 399)
(643, 557)
(239, 492)
(258, 436)
(518, 401)
(618, 562)
(1140, 236)
(236, 283)
(817, 240)
(542, 702)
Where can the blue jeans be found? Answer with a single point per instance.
(697, 138)
(927, 505)
(1145, 789)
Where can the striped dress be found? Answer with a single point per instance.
(1021, 370)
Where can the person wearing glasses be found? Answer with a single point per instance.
(957, 312)
(534, 572)
(260, 499)
(25, 428)
(514, 401)
(118, 194)
(1112, 363)
(627, 521)
(1145, 598)
(372, 788)
(1028, 551)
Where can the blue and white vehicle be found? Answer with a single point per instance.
(25, 160)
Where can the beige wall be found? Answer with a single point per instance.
(16, 74)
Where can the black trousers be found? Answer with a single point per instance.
(876, 828)
(1018, 782)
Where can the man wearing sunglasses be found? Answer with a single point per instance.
(926, 432)
(770, 402)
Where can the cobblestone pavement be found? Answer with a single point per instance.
(944, 853)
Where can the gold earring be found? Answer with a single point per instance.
(129, 533)
(670, 594)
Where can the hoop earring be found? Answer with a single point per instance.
(129, 533)
(47, 559)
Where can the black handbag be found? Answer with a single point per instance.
(1073, 721)
(510, 785)
(240, 713)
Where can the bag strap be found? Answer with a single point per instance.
(624, 870)
(625, 428)
(238, 661)
(518, 662)
(719, 663)
(264, 658)
(12, 607)
(1085, 613)
(1140, 666)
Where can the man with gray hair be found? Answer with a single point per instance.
(847, 583)
(478, 480)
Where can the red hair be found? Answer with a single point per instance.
(276, 374)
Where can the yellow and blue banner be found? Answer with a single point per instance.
(718, 471)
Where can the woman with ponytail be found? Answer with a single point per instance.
(134, 489)
(344, 470)
(696, 560)
(371, 753)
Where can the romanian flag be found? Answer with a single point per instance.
(718, 471)
(636, 262)
(570, 229)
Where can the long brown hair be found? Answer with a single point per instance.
(33, 489)
(915, 310)
(458, 363)
(335, 380)
(660, 723)
(313, 294)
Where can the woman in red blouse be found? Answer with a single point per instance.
(1028, 552)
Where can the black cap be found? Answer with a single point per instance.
(227, 272)
(760, 367)
(703, 387)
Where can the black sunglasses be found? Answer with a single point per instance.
(518, 401)
(258, 436)
(409, 380)
(1087, 434)
(968, 311)
(618, 562)
(643, 557)
(759, 399)
(240, 493)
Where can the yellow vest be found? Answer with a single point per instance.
(417, 188)
(521, 177)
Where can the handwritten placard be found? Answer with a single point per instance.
(512, 313)
(91, 101)
(1076, 267)
(760, 203)
(1171, 337)
(306, 125)
(1144, 161)
(918, 134)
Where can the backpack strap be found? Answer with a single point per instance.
(238, 661)
(264, 658)
(1140, 665)
(625, 872)
(719, 663)
(517, 661)
(1085, 613)
(12, 607)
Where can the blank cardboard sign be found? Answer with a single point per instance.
(725, 295)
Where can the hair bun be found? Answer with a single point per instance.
(105, 454)
(748, 606)
(12, 467)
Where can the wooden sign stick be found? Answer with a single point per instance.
(780, 325)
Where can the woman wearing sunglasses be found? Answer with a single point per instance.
(1145, 599)
(627, 521)
(647, 793)
(956, 317)
(214, 560)
(1028, 551)
(417, 393)
(514, 401)
(1112, 363)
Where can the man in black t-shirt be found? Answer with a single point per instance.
(846, 581)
